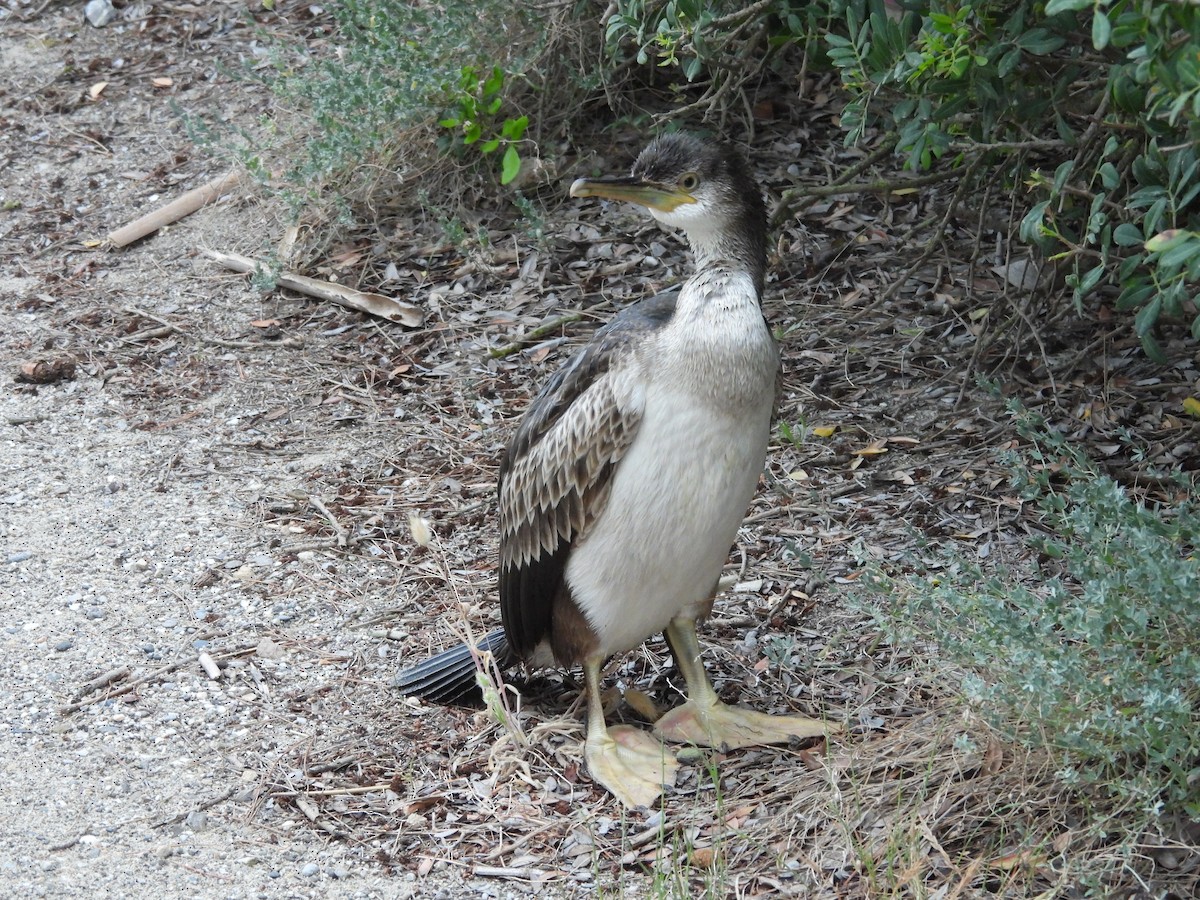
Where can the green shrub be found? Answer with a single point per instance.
(1098, 659)
(1093, 103)
(448, 91)
(1087, 109)
(474, 120)
(389, 73)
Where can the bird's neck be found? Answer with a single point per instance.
(741, 247)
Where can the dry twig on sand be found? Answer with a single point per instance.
(174, 211)
(376, 304)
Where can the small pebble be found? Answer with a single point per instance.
(62, 646)
(95, 612)
(19, 556)
(99, 13)
(310, 870)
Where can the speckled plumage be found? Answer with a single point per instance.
(623, 487)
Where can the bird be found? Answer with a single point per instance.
(623, 487)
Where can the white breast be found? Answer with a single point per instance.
(679, 494)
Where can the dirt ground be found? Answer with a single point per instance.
(208, 474)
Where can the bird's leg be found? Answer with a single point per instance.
(633, 765)
(706, 721)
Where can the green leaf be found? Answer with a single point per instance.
(494, 82)
(1008, 62)
(1127, 235)
(1108, 176)
(1039, 41)
(1061, 174)
(1134, 294)
(1165, 240)
(514, 129)
(1101, 29)
(510, 166)
(1031, 225)
(489, 146)
(448, 123)
(1129, 265)
(1152, 349)
(1180, 253)
(1147, 315)
(473, 133)
(1090, 280)
(1054, 7)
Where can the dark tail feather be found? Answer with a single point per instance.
(449, 677)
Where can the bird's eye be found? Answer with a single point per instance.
(690, 181)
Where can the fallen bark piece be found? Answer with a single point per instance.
(47, 371)
(376, 304)
(173, 211)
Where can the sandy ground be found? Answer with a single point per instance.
(132, 496)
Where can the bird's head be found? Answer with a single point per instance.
(701, 187)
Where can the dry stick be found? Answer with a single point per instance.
(101, 681)
(526, 873)
(308, 546)
(174, 211)
(342, 537)
(879, 186)
(336, 792)
(1015, 304)
(533, 335)
(152, 676)
(980, 341)
(207, 804)
(363, 301)
(973, 147)
(167, 328)
(786, 207)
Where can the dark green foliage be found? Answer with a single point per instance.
(1092, 105)
(1100, 660)
(1087, 109)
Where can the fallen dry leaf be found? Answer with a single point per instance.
(1020, 273)
(641, 704)
(97, 89)
(1011, 861)
(875, 448)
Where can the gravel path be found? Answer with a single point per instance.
(134, 499)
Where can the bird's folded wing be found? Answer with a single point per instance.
(555, 478)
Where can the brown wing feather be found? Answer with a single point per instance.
(555, 476)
